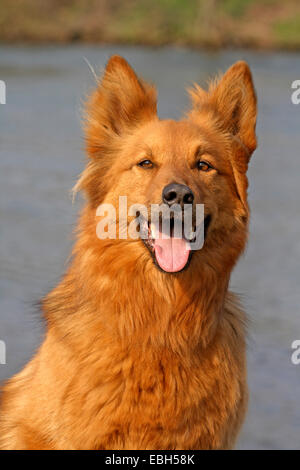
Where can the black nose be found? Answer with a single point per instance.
(175, 193)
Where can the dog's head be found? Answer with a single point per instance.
(201, 159)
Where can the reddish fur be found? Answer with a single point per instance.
(135, 358)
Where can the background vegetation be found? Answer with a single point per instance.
(216, 23)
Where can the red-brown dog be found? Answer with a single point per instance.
(145, 346)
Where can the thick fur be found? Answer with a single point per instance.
(135, 358)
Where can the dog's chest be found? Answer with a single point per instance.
(169, 404)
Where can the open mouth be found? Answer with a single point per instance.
(171, 252)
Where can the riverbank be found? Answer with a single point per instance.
(267, 24)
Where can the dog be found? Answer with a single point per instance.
(145, 344)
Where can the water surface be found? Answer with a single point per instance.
(41, 154)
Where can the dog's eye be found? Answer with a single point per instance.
(204, 166)
(146, 164)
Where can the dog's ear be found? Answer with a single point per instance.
(231, 102)
(230, 106)
(120, 102)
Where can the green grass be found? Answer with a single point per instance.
(288, 32)
(191, 22)
(155, 21)
(236, 8)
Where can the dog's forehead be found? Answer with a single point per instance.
(172, 135)
(168, 141)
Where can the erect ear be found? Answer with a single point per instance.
(120, 102)
(231, 101)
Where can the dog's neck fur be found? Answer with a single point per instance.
(157, 309)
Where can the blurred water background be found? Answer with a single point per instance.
(41, 155)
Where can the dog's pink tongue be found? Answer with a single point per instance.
(172, 254)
